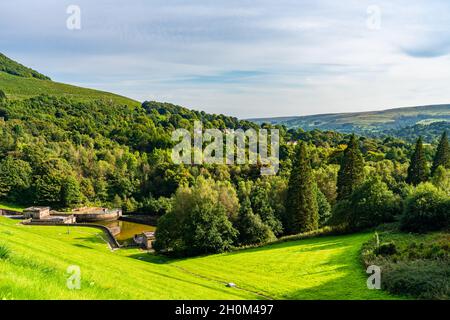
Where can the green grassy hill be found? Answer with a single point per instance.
(35, 268)
(10, 66)
(366, 122)
(16, 87)
(20, 82)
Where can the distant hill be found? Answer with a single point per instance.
(366, 122)
(429, 132)
(20, 82)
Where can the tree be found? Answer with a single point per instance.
(198, 221)
(260, 202)
(351, 172)
(326, 177)
(301, 210)
(15, 179)
(442, 157)
(251, 228)
(441, 179)
(418, 169)
(426, 209)
(207, 230)
(369, 205)
(70, 192)
(47, 189)
(373, 203)
(168, 234)
(323, 206)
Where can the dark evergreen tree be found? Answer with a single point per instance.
(442, 157)
(302, 212)
(351, 172)
(418, 169)
(250, 226)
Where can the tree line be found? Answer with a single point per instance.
(201, 223)
(66, 153)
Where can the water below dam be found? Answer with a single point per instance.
(127, 229)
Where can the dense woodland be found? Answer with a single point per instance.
(67, 153)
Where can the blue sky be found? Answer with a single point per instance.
(248, 58)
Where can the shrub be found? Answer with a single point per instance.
(386, 249)
(2, 96)
(419, 269)
(370, 204)
(422, 279)
(426, 209)
(159, 206)
(4, 252)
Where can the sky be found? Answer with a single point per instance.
(247, 58)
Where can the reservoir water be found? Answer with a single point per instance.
(127, 229)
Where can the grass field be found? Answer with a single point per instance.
(14, 207)
(321, 268)
(20, 88)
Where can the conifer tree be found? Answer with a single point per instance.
(351, 172)
(442, 157)
(418, 169)
(301, 209)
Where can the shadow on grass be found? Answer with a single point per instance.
(326, 243)
(152, 258)
(344, 276)
(350, 283)
(314, 244)
(79, 245)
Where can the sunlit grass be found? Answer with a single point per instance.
(321, 268)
